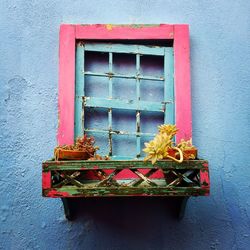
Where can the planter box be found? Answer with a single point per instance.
(63, 154)
(189, 154)
(125, 178)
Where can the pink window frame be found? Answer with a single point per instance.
(70, 33)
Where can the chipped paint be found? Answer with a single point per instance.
(109, 26)
(54, 193)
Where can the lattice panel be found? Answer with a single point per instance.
(86, 178)
(105, 178)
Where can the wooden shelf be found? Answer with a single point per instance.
(67, 179)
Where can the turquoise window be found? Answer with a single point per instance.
(122, 92)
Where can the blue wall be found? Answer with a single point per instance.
(220, 59)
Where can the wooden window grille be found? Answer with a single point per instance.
(83, 101)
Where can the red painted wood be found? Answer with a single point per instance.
(46, 180)
(108, 31)
(183, 113)
(66, 85)
(204, 179)
(55, 194)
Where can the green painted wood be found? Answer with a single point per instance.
(122, 164)
(132, 191)
(169, 115)
(79, 91)
(115, 75)
(95, 102)
(122, 48)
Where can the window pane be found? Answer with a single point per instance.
(124, 64)
(96, 86)
(96, 62)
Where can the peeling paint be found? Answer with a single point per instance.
(109, 26)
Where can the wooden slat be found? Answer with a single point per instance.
(123, 104)
(183, 113)
(115, 75)
(79, 111)
(66, 96)
(131, 191)
(204, 178)
(131, 31)
(121, 164)
(122, 48)
(138, 112)
(110, 110)
(119, 132)
(169, 116)
(46, 179)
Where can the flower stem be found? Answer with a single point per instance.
(174, 159)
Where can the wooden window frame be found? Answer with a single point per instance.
(69, 34)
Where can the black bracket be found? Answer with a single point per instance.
(69, 209)
(182, 206)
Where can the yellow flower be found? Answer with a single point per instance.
(168, 129)
(157, 149)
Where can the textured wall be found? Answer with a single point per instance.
(220, 59)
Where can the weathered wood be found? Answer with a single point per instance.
(122, 164)
(70, 33)
(108, 179)
(95, 102)
(144, 178)
(128, 76)
(122, 48)
(139, 181)
(169, 92)
(122, 191)
(67, 180)
(120, 132)
(180, 179)
(66, 95)
(80, 91)
(183, 112)
(121, 32)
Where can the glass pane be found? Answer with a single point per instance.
(124, 88)
(124, 145)
(123, 120)
(96, 86)
(96, 62)
(150, 121)
(152, 66)
(124, 64)
(96, 118)
(152, 91)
